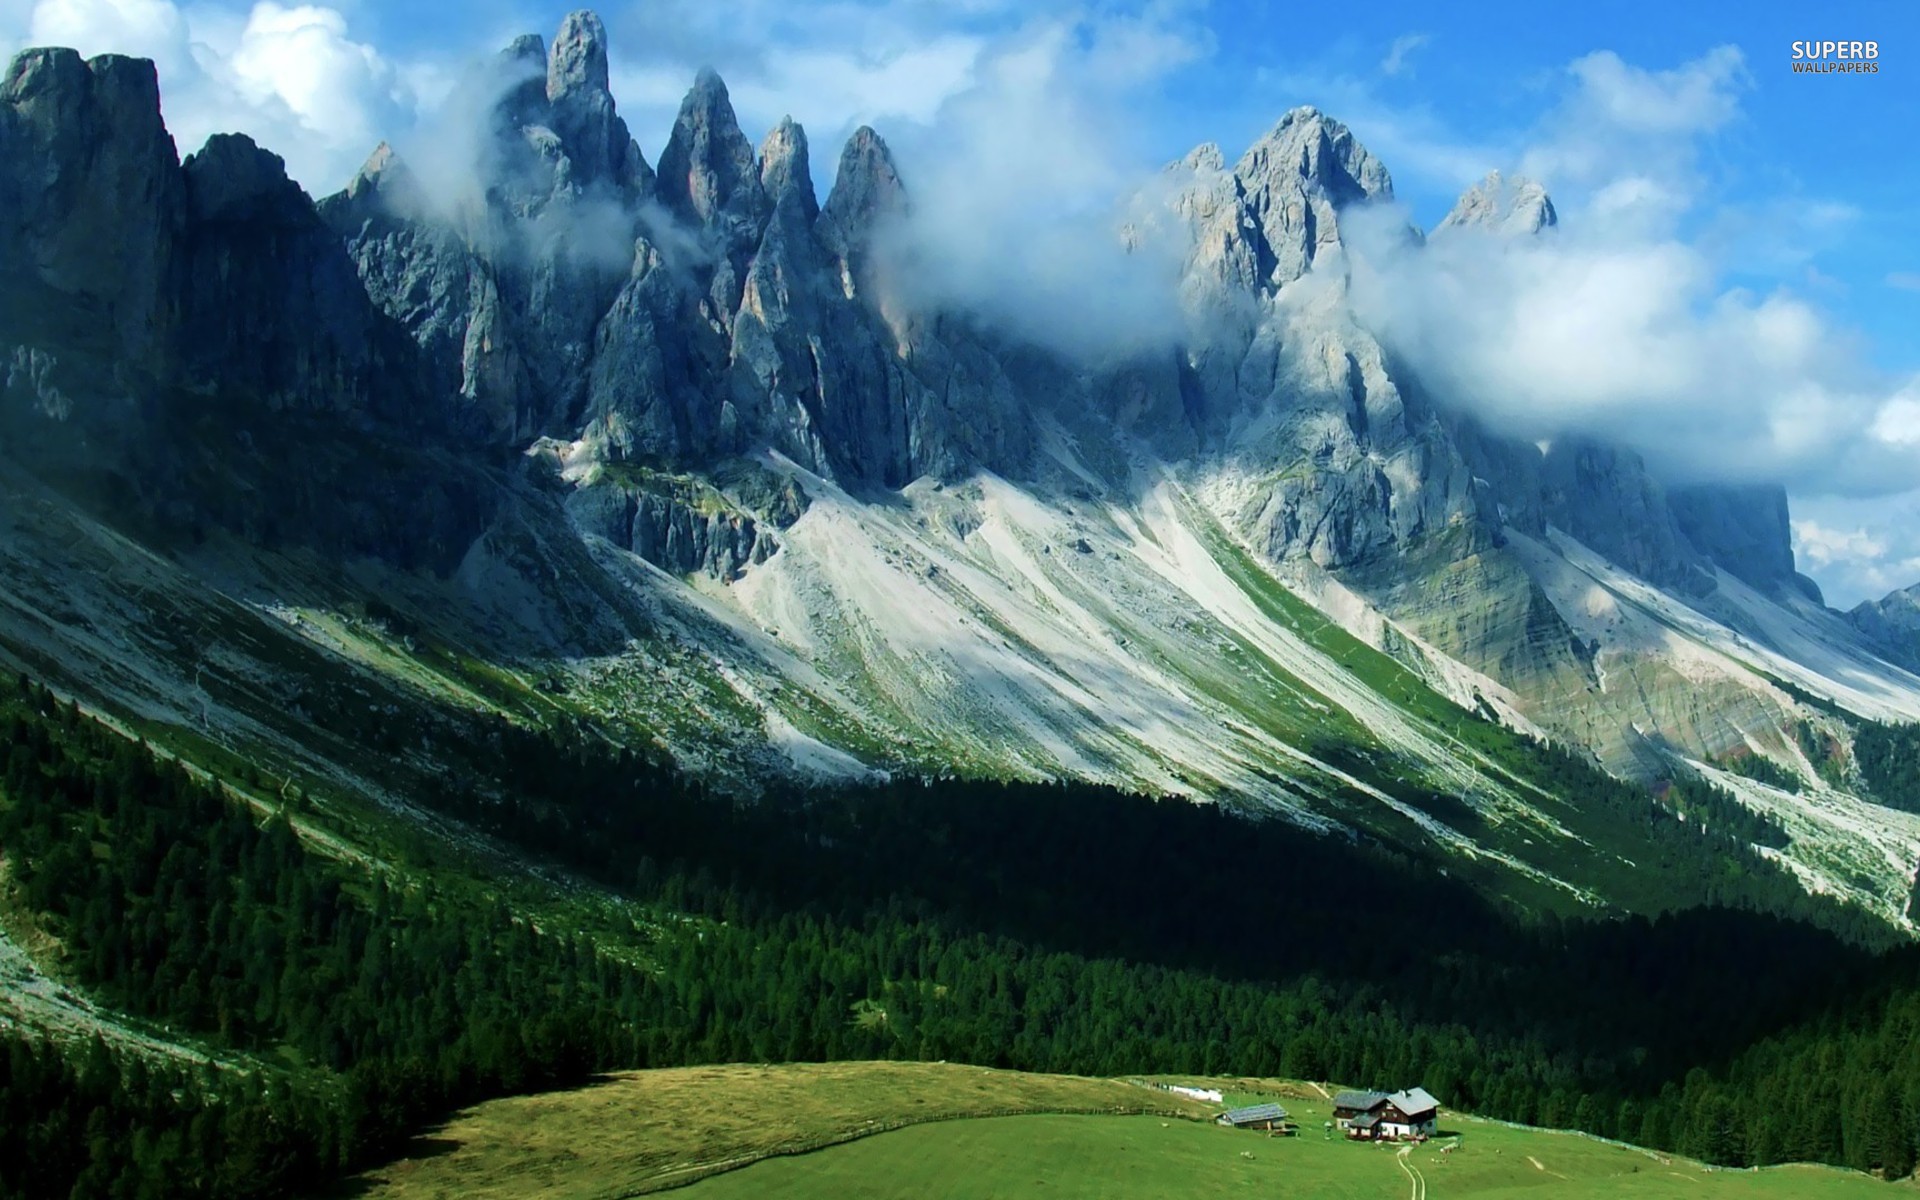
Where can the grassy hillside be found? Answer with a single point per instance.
(858, 1130)
(647, 1131)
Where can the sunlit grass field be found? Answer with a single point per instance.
(846, 1131)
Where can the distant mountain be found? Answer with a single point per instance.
(550, 431)
(1892, 623)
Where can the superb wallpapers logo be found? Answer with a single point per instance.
(1836, 58)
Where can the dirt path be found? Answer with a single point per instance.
(1418, 1180)
(1324, 1093)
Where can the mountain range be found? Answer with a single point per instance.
(540, 430)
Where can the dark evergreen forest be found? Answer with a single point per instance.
(1035, 926)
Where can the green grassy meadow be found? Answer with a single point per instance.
(1118, 1158)
(827, 1132)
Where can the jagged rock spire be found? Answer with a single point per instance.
(866, 192)
(1295, 180)
(581, 109)
(708, 168)
(1269, 221)
(1515, 205)
(524, 65)
(579, 57)
(785, 174)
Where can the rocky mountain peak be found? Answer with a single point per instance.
(233, 179)
(1268, 222)
(785, 173)
(529, 48)
(1207, 156)
(521, 73)
(90, 188)
(382, 164)
(866, 193)
(1512, 205)
(709, 168)
(579, 56)
(1309, 150)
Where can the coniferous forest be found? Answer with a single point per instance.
(345, 1005)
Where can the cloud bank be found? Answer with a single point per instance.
(1622, 322)
(1021, 186)
(293, 77)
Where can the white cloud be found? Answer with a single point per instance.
(1906, 281)
(1822, 546)
(1639, 341)
(1859, 549)
(1696, 97)
(291, 77)
(1625, 322)
(1020, 183)
(1623, 141)
(1399, 54)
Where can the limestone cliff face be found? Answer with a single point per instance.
(1281, 384)
(213, 278)
(1745, 532)
(92, 200)
(270, 305)
(174, 331)
(663, 327)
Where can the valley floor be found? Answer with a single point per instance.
(855, 1130)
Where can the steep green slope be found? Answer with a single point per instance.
(374, 986)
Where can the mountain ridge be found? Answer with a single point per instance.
(673, 443)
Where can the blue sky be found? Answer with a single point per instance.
(1749, 228)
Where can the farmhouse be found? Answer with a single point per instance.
(1387, 1116)
(1270, 1117)
(1350, 1105)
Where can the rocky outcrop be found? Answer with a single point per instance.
(272, 310)
(712, 309)
(1280, 383)
(504, 294)
(92, 202)
(1514, 207)
(1294, 182)
(1605, 497)
(679, 524)
(213, 278)
(1892, 625)
(1745, 532)
(710, 179)
(867, 199)
(197, 335)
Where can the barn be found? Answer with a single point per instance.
(1270, 1117)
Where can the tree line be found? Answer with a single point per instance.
(1036, 926)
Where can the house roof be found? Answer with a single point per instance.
(1414, 1101)
(1359, 1101)
(1254, 1113)
(1366, 1121)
